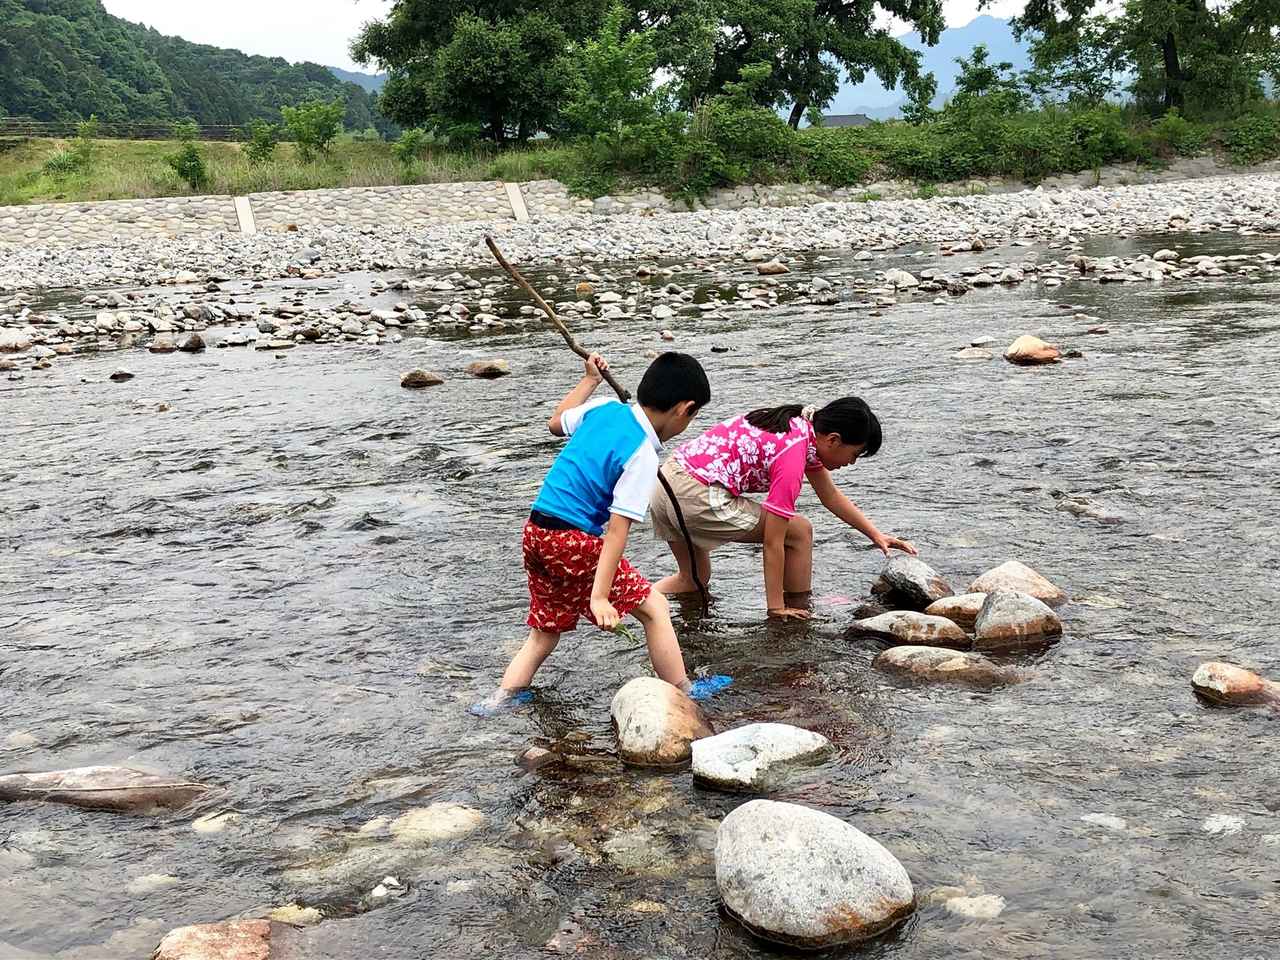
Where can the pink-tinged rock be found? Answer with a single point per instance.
(1013, 575)
(118, 789)
(1009, 620)
(1031, 351)
(489, 369)
(1234, 686)
(231, 940)
(962, 610)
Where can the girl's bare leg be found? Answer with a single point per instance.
(682, 582)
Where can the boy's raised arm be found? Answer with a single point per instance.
(580, 394)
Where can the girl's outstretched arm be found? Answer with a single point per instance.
(844, 508)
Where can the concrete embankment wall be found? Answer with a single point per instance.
(378, 208)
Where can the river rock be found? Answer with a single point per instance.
(163, 344)
(13, 341)
(192, 343)
(1166, 256)
(1234, 686)
(1009, 620)
(1030, 351)
(906, 626)
(772, 268)
(656, 723)
(755, 757)
(489, 369)
(118, 789)
(941, 664)
(1013, 575)
(900, 279)
(417, 379)
(910, 583)
(230, 940)
(962, 610)
(121, 375)
(439, 821)
(803, 878)
(973, 353)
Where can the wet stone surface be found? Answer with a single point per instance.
(287, 578)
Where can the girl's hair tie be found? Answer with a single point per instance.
(808, 411)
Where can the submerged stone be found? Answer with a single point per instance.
(939, 664)
(417, 379)
(230, 940)
(757, 756)
(439, 821)
(904, 626)
(910, 583)
(118, 789)
(489, 369)
(803, 878)
(656, 723)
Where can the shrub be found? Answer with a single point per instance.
(1174, 135)
(261, 146)
(410, 147)
(834, 157)
(314, 126)
(189, 164)
(1254, 137)
(79, 156)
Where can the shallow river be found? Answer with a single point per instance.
(292, 584)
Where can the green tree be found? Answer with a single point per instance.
(314, 126)
(810, 44)
(612, 90)
(498, 69)
(1183, 54)
(261, 146)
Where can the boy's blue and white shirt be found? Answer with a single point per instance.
(610, 465)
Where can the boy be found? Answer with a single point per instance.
(604, 477)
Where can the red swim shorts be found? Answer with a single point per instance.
(562, 568)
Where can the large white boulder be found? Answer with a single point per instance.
(905, 626)
(757, 756)
(1014, 575)
(804, 878)
(911, 583)
(1009, 620)
(656, 723)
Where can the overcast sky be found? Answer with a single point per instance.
(320, 30)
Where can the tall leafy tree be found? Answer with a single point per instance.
(810, 44)
(1183, 54)
(494, 68)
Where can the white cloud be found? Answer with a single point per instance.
(321, 30)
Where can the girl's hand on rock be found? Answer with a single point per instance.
(886, 543)
(789, 613)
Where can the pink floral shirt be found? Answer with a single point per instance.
(745, 459)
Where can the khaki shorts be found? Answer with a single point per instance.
(712, 514)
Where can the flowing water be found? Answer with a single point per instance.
(292, 583)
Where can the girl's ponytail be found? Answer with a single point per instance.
(775, 419)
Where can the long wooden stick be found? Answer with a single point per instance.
(623, 394)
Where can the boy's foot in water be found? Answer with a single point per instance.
(500, 701)
(704, 688)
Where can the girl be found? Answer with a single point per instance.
(767, 451)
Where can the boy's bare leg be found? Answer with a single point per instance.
(682, 582)
(664, 649)
(526, 663)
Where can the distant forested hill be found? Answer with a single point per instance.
(67, 59)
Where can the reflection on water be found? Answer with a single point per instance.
(291, 584)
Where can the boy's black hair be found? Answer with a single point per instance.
(674, 378)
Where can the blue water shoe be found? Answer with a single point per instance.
(704, 688)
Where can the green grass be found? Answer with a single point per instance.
(127, 169)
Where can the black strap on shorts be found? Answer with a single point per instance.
(547, 522)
